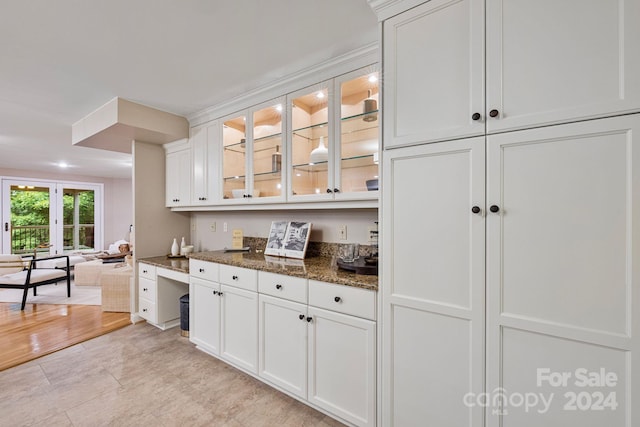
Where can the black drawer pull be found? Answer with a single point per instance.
(301, 317)
(278, 286)
(337, 299)
(201, 270)
(234, 277)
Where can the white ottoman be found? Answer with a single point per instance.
(88, 273)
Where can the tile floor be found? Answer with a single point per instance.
(141, 375)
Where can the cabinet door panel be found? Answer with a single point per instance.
(283, 344)
(561, 264)
(434, 72)
(546, 66)
(342, 365)
(239, 324)
(204, 311)
(433, 298)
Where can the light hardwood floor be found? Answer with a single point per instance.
(140, 375)
(41, 329)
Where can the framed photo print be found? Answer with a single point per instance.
(288, 239)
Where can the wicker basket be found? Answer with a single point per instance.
(116, 289)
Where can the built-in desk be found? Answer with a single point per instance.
(161, 283)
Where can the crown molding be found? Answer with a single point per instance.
(385, 9)
(334, 67)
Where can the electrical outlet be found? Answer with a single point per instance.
(224, 227)
(342, 232)
(212, 227)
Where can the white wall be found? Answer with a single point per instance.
(118, 202)
(256, 224)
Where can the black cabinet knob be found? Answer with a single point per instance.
(475, 209)
(336, 190)
(337, 299)
(494, 208)
(329, 190)
(145, 271)
(220, 293)
(278, 286)
(309, 319)
(144, 309)
(215, 292)
(494, 113)
(145, 289)
(249, 195)
(234, 277)
(202, 270)
(301, 317)
(475, 116)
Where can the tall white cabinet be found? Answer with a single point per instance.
(509, 213)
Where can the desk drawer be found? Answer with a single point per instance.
(281, 286)
(147, 310)
(147, 271)
(239, 277)
(343, 299)
(203, 270)
(147, 289)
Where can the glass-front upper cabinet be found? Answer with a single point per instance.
(267, 151)
(234, 157)
(311, 171)
(357, 135)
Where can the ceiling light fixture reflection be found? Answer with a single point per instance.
(279, 107)
(63, 165)
(320, 95)
(373, 78)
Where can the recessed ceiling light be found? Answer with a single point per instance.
(63, 165)
(320, 95)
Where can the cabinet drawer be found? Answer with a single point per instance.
(239, 277)
(343, 299)
(147, 289)
(203, 269)
(147, 310)
(147, 271)
(281, 286)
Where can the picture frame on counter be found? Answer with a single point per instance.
(288, 239)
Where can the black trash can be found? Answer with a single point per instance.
(184, 315)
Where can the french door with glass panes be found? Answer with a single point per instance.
(45, 217)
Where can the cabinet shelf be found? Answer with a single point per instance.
(358, 123)
(308, 131)
(347, 163)
(262, 176)
(241, 147)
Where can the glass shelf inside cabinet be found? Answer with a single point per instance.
(312, 167)
(360, 122)
(313, 131)
(269, 141)
(238, 147)
(358, 161)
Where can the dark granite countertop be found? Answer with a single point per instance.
(176, 264)
(322, 268)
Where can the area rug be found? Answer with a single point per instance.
(56, 294)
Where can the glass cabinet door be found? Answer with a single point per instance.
(311, 171)
(358, 134)
(267, 151)
(234, 156)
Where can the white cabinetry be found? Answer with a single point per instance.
(204, 314)
(159, 291)
(342, 349)
(178, 173)
(542, 67)
(558, 213)
(225, 317)
(205, 140)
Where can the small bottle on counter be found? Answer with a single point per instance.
(175, 250)
(182, 245)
